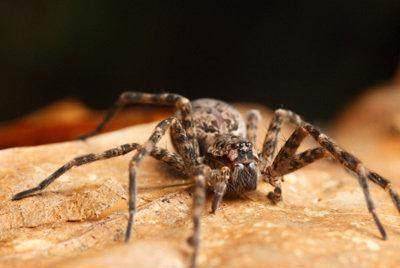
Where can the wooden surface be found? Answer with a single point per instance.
(79, 221)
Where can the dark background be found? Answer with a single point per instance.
(311, 56)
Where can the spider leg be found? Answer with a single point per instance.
(351, 162)
(289, 149)
(271, 138)
(171, 159)
(291, 145)
(252, 120)
(293, 163)
(307, 157)
(144, 150)
(347, 160)
(284, 166)
(130, 97)
(184, 146)
(78, 161)
(200, 175)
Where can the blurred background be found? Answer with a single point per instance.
(310, 56)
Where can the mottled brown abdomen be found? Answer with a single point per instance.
(213, 117)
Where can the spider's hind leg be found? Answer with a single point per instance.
(181, 103)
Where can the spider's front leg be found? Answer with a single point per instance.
(199, 197)
(215, 179)
(268, 152)
(144, 150)
(286, 162)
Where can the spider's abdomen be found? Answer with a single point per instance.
(212, 118)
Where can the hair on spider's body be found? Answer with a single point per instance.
(221, 135)
(216, 147)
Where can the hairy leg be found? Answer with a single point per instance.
(183, 146)
(78, 161)
(352, 163)
(293, 163)
(199, 197)
(171, 159)
(289, 149)
(291, 145)
(275, 172)
(181, 103)
(271, 138)
(252, 121)
(144, 150)
(347, 160)
(163, 155)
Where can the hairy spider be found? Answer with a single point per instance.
(215, 146)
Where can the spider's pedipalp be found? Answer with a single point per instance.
(219, 179)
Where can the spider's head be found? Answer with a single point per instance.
(240, 156)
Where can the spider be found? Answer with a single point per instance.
(216, 146)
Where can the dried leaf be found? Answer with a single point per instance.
(79, 221)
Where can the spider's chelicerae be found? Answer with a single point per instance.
(215, 146)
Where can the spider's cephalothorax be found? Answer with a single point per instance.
(238, 155)
(221, 134)
(216, 147)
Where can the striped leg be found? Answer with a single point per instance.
(163, 155)
(78, 161)
(181, 103)
(199, 197)
(347, 160)
(171, 159)
(293, 163)
(252, 120)
(287, 151)
(144, 150)
(351, 162)
(271, 138)
(183, 145)
(275, 172)
(291, 145)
